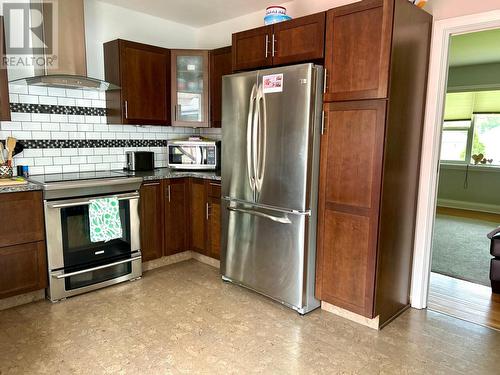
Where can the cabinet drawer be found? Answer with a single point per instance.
(214, 189)
(21, 218)
(24, 269)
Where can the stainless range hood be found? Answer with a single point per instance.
(71, 68)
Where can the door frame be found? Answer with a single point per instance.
(431, 143)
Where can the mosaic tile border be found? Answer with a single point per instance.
(57, 109)
(92, 143)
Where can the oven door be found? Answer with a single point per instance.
(75, 262)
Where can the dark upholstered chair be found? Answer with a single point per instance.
(495, 262)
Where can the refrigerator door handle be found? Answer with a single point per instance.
(262, 141)
(250, 126)
(281, 220)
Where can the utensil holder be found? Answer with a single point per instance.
(5, 171)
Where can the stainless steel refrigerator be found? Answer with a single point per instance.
(271, 127)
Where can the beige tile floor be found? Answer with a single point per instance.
(183, 319)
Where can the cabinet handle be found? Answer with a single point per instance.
(215, 184)
(168, 192)
(273, 47)
(207, 209)
(175, 112)
(126, 109)
(151, 184)
(267, 45)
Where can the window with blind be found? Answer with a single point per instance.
(471, 127)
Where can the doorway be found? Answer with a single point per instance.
(458, 206)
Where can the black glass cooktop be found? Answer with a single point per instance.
(76, 176)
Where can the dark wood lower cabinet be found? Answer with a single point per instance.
(176, 215)
(198, 215)
(214, 220)
(151, 220)
(23, 269)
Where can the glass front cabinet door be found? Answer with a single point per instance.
(190, 105)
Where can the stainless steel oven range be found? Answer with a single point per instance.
(76, 264)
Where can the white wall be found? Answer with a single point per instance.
(105, 22)
(219, 34)
(441, 9)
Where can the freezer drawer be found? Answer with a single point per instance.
(264, 249)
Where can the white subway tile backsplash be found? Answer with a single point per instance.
(85, 151)
(87, 167)
(55, 91)
(94, 159)
(69, 151)
(62, 160)
(87, 94)
(66, 101)
(11, 125)
(78, 159)
(53, 169)
(59, 118)
(84, 103)
(37, 170)
(42, 126)
(20, 134)
(76, 118)
(70, 93)
(51, 152)
(40, 117)
(31, 126)
(20, 116)
(18, 89)
(70, 168)
(37, 90)
(50, 127)
(43, 161)
(60, 135)
(47, 100)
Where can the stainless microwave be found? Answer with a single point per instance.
(194, 154)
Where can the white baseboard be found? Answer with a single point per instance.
(469, 206)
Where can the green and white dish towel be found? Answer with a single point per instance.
(104, 218)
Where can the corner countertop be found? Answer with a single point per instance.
(167, 173)
(19, 188)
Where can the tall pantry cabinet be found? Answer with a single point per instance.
(376, 60)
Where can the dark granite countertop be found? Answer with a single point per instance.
(19, 188)
(165, 173)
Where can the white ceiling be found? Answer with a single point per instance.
(480, 47)
(196, 13)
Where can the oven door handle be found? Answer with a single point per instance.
(84, 202)
(65, 275)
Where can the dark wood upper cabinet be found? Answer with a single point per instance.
(176, 215)
(198, 215)
(294, 41)
(151, 220)
(4, 80)
(252, 48)
(358, 48)
(302, 39)
(190, 88)
(377, 53)
(220, 65)
(143, 74)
